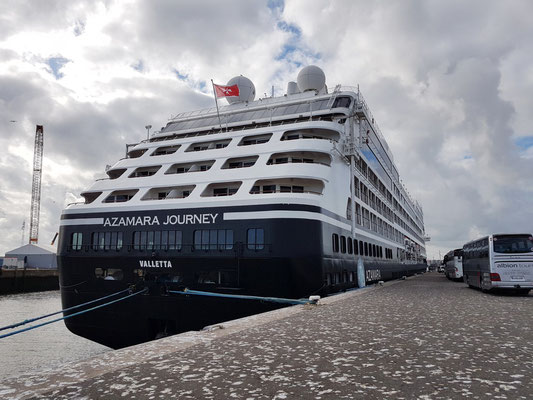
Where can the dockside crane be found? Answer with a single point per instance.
(36, 185)
(23, 229)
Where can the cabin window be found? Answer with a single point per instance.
(76, 241)
(213, 239)
(288, 185)
(120, 196)
(269, 188)
(90, 196)
(145, 171)
(218, 144)
(335, 242)
(316, 133)
(221, 189)
(224, 191)
(107, 241)
(342, 101)
(241, 162)
(343, 244)
(160, 151)
(190, 167)
(256, 239)
(297, 189)
(115, 173)
(257, 139)
(135, 153)
(162, 193)
(157, 240)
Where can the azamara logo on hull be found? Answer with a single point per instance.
(155, 264)
(147, 220)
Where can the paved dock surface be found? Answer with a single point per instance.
(422, 338)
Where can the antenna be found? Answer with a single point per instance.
(148, 127)
(36, 185)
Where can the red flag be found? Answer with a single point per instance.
(226, 91)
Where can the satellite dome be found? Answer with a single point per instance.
(311, 78)
(246, 89)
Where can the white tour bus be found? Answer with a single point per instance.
(500, 261)
(453, 264)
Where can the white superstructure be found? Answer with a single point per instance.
(300, 148)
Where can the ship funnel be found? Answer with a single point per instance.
(292, 88)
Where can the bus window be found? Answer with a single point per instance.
(513, 244)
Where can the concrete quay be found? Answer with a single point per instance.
(422, 338)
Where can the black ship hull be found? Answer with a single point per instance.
(292, 257)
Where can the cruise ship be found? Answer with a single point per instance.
(280, 197)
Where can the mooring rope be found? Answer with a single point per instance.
(243, 297)
(27, 321)
(73, 315)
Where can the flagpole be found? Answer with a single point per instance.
(216, 102)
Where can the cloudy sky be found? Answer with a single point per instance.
(449, 82)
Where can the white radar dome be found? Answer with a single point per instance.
(246, 89)
(311, 78)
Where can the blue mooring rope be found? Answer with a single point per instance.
(73, 315)
(243, 297)
(27, 321)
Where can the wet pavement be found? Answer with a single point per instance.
(422, 338)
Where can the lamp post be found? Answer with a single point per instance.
(148, 127)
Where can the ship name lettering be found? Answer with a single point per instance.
(146, 220)
(190, 219)
(131, 221)
(155, 264)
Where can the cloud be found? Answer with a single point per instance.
(448, 82)
(444, 82)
